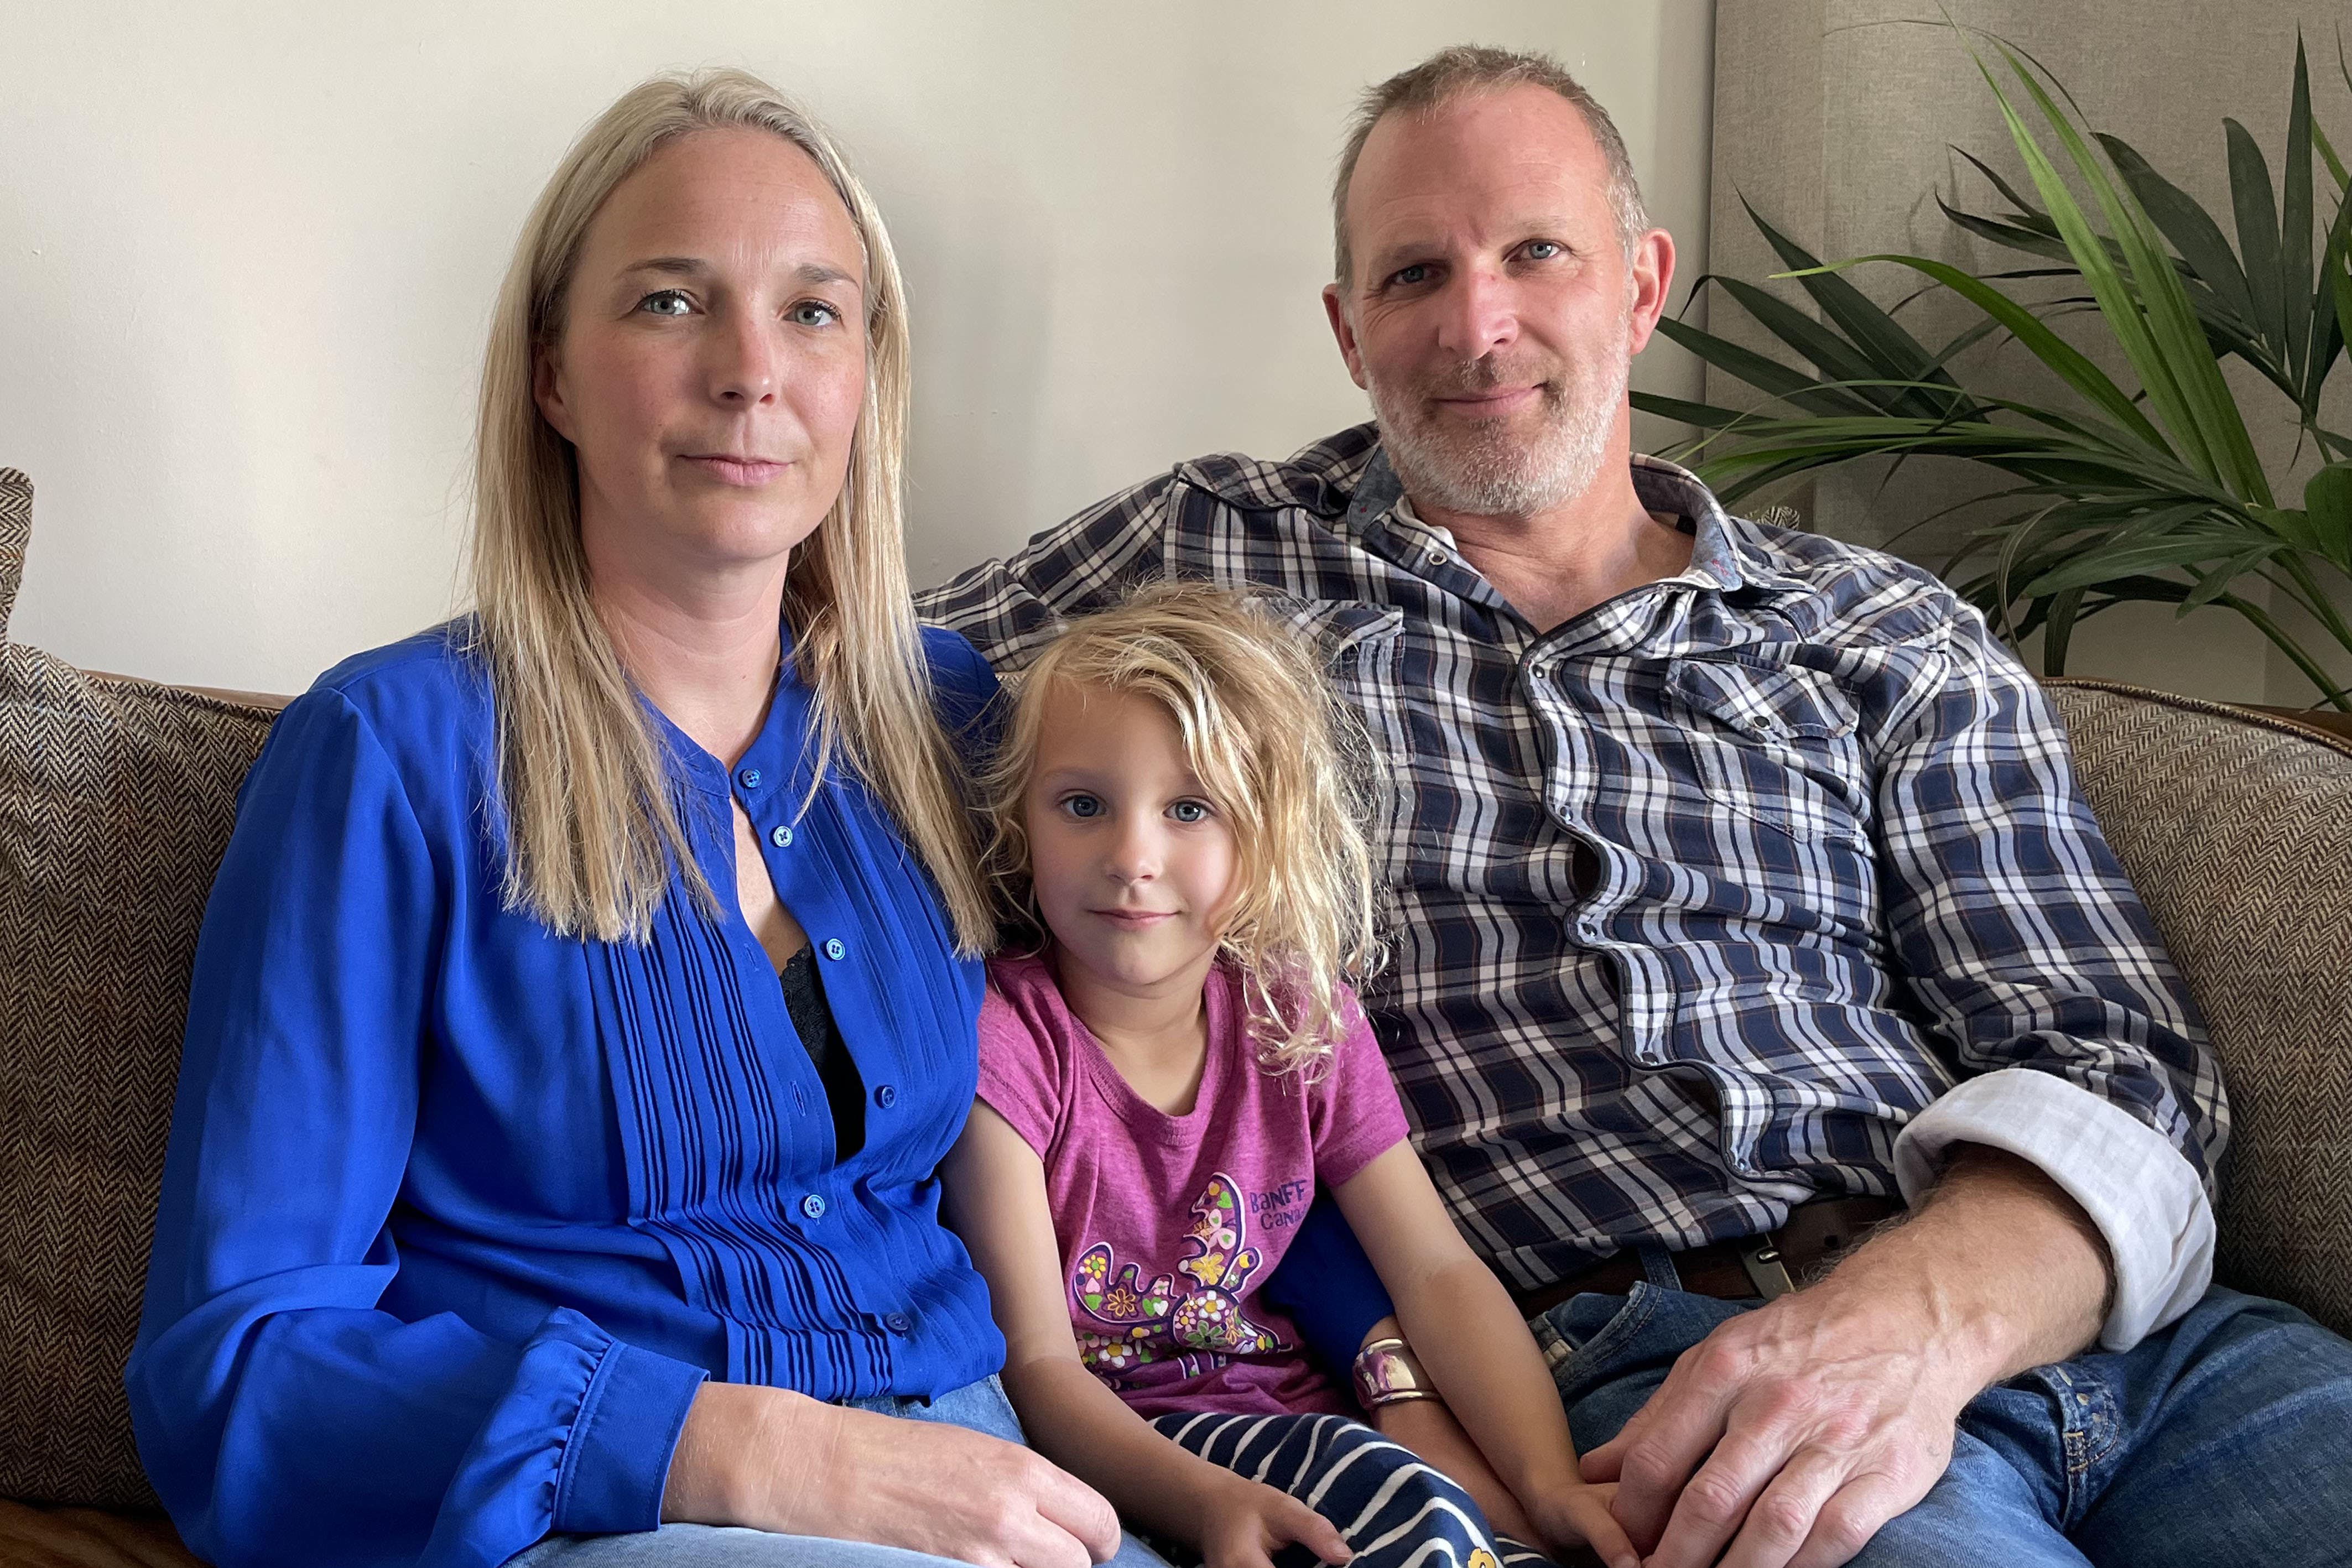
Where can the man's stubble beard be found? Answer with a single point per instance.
(1494, 471)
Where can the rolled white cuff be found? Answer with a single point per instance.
(2140, 1191)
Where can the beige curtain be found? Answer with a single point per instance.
(1835, 120)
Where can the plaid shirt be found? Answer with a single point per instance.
(1706, 895)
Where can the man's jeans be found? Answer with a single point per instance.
(2224, 1439)
(979, 1405)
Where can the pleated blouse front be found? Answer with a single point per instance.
(458, 1213)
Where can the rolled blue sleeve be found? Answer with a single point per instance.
(282, 1415)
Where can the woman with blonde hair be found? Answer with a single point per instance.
(587, 997)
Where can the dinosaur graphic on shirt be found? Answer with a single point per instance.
(1145, 1322)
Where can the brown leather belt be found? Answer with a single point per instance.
(1816, 1235)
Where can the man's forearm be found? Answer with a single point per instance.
(2007, 1268)
(1861, 1376)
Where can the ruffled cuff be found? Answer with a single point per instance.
(616, 1462)
(580, 1444)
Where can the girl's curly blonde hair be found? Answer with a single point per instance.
(1285, 766)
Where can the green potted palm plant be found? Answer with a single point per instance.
(2144, 488)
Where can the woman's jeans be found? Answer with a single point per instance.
(979, 1405)
(2225, 1439)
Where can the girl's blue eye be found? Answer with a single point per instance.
(1083, 807)
(665, 302)
(814, 313)
(1189, 811)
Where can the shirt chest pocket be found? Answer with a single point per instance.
(1353, 637)
(1363, 648)
(1776, 744)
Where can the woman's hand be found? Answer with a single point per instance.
(780, 1461)
(1243, 1524)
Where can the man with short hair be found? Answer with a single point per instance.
(1744, 896)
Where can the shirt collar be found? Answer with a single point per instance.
(1727, 553)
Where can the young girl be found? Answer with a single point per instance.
(1166, 1076)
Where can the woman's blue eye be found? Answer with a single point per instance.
(665, 302)
(1083, 807)
(815, 313)
(1189, 811)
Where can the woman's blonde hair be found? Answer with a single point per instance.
(593, 831)
(1283, 761)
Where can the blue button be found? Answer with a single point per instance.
(899, 1322)
(813, 1205)
(782, 838)
(885, 1096)
(834, 948)
(748, 778)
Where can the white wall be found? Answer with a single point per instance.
(248, 252)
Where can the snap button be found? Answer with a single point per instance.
(748, 778)
(834, 948)
(885, 1096)
(899, 1322)
(782, 838)
(813, 1205)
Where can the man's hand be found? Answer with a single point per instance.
(1788, 1436)
(780, 1461)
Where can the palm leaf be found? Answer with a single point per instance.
(2258, 227)
(1878, 335)
(2069, 363)
(2127, 489)
(2295, 222)
(2192, 232)
(2178, 362)
(1762, 372)
(2327, 504)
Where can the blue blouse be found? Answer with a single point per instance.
(458, 1213)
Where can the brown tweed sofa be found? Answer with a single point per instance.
(115, 802)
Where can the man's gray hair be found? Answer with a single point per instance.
(1473, 68)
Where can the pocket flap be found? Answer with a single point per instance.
(1777, 705)
(1337, 627)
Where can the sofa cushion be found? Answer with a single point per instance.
(116, 798)
(2232, 825)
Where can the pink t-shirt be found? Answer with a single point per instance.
(1168, 1224)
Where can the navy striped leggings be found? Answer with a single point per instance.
(1394, 1510)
